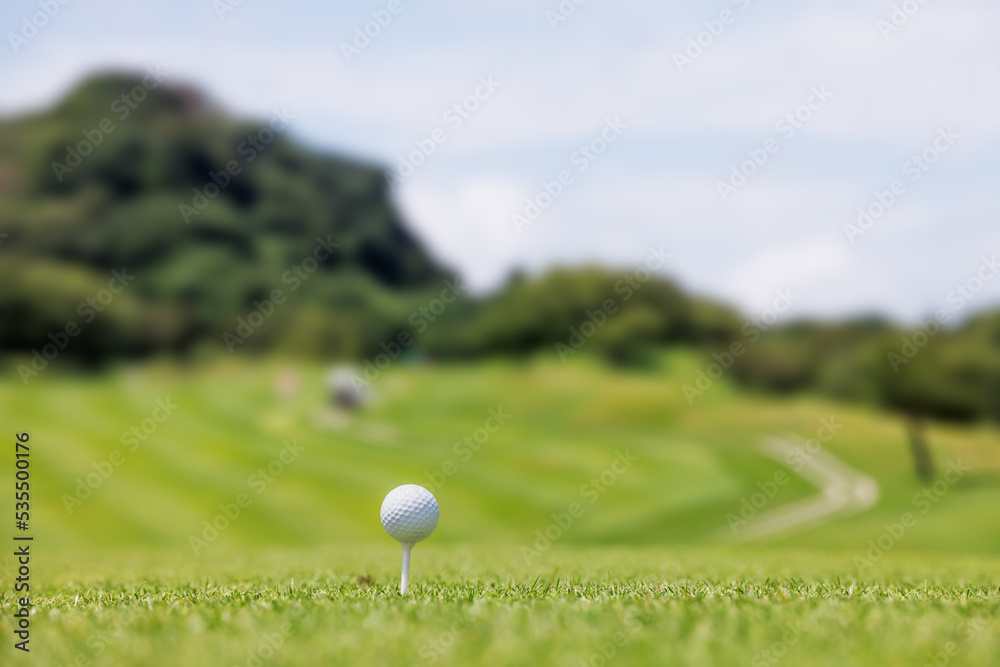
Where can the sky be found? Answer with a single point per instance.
(742, 137)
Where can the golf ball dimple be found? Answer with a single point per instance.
(409, 513)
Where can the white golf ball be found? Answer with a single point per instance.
(409, 513)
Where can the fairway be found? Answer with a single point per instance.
(161, 550)
(558, 428)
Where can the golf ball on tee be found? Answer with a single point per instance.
(409, 513)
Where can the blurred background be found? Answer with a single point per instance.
(309, 252)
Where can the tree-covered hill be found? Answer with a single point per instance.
(210, 214)
(136, 218)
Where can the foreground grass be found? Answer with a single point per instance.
(487, 606)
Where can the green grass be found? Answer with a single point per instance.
(695, 463)
(485, 606)
(650, 558)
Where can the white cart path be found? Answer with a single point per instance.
(843, 492)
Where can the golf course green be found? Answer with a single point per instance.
(588, 516)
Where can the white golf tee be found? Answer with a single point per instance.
(404, 580)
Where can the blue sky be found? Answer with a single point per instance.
(656, 184)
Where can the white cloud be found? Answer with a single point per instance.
(469, 223)
(686, 131)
